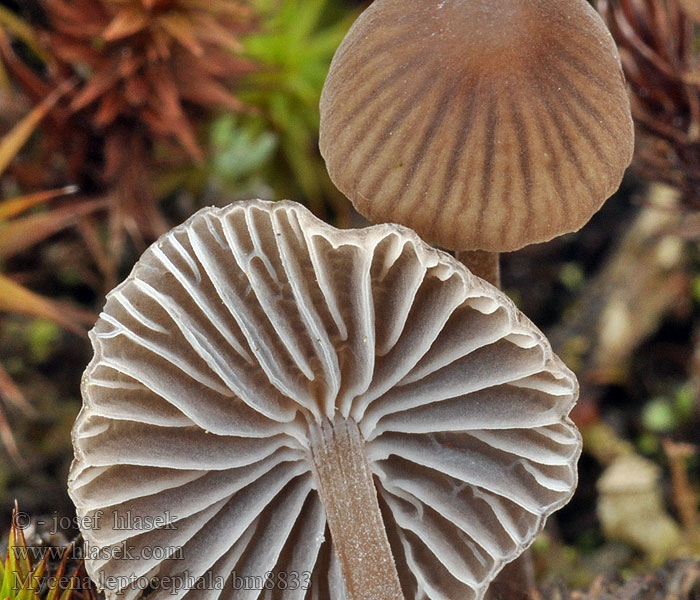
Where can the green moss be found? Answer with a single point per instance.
(42, 336)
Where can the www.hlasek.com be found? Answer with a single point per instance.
(87, 551)
(271, 580)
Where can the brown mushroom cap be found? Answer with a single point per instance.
(483, 125)
(241, 335)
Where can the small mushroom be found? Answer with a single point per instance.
(330, 414)
(483, 126)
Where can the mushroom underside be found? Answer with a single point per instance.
(241, 333)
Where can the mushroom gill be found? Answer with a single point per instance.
(482, 125)
(352, 412)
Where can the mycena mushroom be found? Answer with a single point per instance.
(340, 414)
(483, 126)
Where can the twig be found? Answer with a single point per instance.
(684, 497)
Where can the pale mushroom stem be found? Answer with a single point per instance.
(486, 265)
(346, 488)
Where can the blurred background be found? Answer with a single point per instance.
(121, 118)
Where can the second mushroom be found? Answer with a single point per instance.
(483, 126)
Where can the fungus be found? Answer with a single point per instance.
(483, 126)
(275, 401)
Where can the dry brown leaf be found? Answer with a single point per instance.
(23, 233)
(16, 206)
(11, 144)
(18, 299)
(127, 22)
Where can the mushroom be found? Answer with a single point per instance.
(273, 401)
(483, 126)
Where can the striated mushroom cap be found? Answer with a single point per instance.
(238, 332)
(483, 125)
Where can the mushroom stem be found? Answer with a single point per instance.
(486, 265)
(344, 482)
